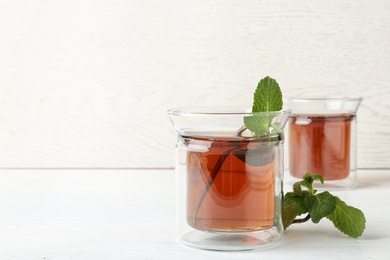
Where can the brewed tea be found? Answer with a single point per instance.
(231, 183)
(320, 145)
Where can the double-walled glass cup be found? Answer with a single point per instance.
(322, 139)
(229, 181)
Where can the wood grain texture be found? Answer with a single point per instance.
(87, 84)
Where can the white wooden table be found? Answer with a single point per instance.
(130, 214)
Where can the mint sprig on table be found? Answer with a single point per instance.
(347, 219)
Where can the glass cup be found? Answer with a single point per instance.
(322, 140)
(229, 182)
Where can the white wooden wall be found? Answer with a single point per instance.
(86, 84)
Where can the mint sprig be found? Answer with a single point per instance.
(267, 97)
(347, 219)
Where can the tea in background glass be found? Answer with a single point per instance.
(322, 139)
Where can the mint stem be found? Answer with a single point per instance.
(302, 220)
(240, 130)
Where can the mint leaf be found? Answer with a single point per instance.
(310, 178)
(256, 157)
(258, 124)
(293, 206)
(320, 205)
(297, 188)
(347, 219)
(267, 97)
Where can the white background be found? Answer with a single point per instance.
(86, 84)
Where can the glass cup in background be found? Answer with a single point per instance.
(322, 139)
(229, 183)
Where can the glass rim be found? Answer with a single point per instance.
(220, 111)
(335, 98)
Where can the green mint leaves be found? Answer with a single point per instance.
(267, 97)
(347, 219)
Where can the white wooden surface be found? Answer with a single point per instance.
(129, 214)
(86, 84)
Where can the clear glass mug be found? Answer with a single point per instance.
(229, 183)
(322, 139)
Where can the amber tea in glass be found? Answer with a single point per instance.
(229, 186)
(325, 142)
(322, 140)
(229, 182)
